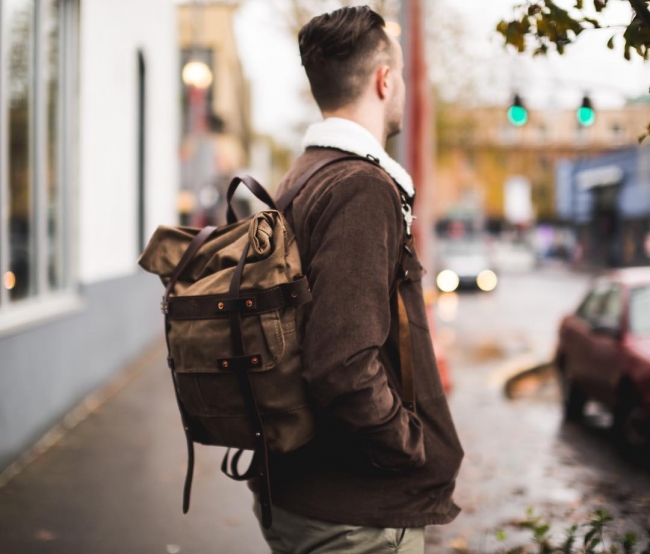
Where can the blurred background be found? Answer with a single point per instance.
(524, 133)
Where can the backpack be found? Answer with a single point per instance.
(233, 314)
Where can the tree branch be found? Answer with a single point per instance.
(641, 9)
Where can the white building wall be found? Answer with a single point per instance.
(111, 33)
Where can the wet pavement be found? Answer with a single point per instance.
(113, 483)
(519, 454)
(112, 479)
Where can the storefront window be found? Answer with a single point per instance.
(19, 16)
(36, 72)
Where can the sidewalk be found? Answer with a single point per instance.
(113, 484)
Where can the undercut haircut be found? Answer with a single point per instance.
(340, 50)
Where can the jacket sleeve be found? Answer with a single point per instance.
(353, 252)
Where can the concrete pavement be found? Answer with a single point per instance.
(113, 483)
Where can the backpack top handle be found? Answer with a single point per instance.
(258, 190)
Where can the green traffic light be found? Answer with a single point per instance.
(586, 116)
(517, 115)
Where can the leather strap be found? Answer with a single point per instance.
(212, 306)
(234, 472)
(401, 273)
(260, 463)
(405, 351)
(258, 190)
(285, 200)
(189, 253)
(405, 355)
(187, 488)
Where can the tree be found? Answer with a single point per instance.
(549, 26)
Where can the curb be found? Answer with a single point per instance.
(523, 373)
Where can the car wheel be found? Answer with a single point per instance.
(574, 399)
(632, 425)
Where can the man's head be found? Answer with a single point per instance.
(353, 64)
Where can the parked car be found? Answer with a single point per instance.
(464, 263)
(603, 353)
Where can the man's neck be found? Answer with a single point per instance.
(373, 124)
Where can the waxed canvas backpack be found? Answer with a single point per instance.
(233, 311)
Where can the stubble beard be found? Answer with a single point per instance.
(393, 127)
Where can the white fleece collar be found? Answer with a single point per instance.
(345, 134)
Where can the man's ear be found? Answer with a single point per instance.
(382, 80)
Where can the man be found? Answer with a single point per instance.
(377, 472)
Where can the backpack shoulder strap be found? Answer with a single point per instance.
(285, 199)
(401, 274)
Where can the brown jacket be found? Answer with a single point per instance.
(372, 462)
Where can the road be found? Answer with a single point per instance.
(519, 454)
(110, 478)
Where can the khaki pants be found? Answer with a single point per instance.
(296, 534)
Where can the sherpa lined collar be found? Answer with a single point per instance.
(348, 135)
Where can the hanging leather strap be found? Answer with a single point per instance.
(189, 253)
(405, 355)
(259, 466)
(251, 472)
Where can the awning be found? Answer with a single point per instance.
(599, 176)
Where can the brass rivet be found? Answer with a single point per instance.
(249, 303)
(220, 305)
(224, 363)
(294, 295)
(254, 360)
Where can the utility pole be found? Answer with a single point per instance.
(415, 147)
(416, 151)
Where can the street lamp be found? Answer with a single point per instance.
(197, 74)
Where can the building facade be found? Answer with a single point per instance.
(606, 200)
(88, 169)
(216, 137)
(479, 151)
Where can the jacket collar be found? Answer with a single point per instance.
(345, 134)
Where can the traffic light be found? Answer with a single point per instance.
(517, 113)
(586, 114)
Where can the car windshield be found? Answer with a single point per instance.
(640, 310)
(464, 248)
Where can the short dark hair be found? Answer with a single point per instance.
(336, 48)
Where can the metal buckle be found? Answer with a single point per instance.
(407, 212)
(164, 307)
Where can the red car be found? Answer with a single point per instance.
(603, 353)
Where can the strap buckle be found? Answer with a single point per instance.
(164, 307)
(407, 212)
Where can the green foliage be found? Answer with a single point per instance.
(546, 25)
(583, 538)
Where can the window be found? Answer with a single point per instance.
(640, 311)
(37, 43)
(592, 305)
(613, 305)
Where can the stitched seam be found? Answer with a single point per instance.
(245, 416)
